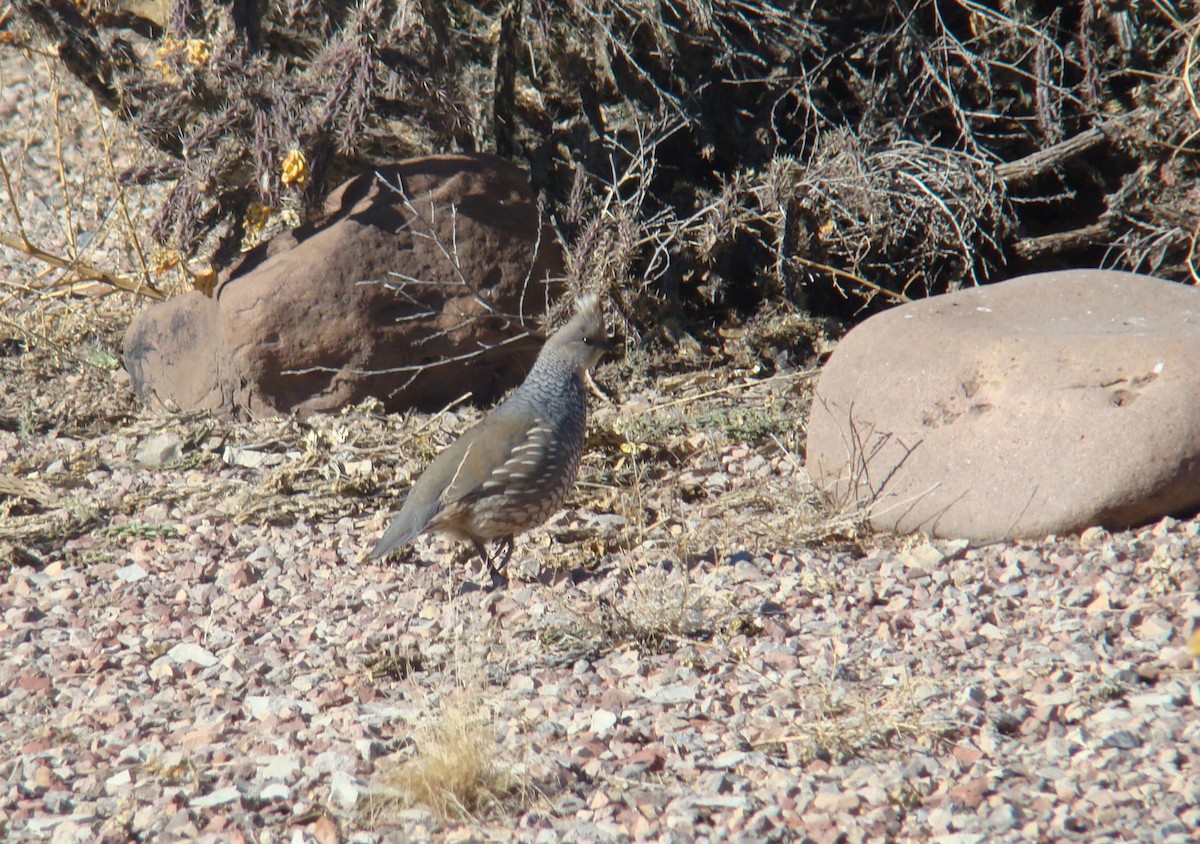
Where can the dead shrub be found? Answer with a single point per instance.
(723, 153)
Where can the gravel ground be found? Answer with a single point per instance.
(192, 649)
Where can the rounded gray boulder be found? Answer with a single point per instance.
(1044, 404)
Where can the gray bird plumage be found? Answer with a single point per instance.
(514, 469)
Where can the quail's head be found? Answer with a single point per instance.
(582, 341)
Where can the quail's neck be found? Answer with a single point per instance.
(552, 386)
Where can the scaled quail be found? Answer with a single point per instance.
(514, 469)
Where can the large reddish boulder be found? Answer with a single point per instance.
(422, 282)
(1044, 404)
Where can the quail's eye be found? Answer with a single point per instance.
(587, 341)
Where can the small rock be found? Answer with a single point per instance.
(836, 801)
(603, 721)
(249, 458)
(261, 706)
(1122, 740)
(275, 791)
(118, 781)
(331, 761)
(283, 767)
(58, 802)
(549, 730)
(39, 824)
(191, 652)
(953, 547)
(992, 632)
(163, 670)
(926, 692)
(1173, 830)
(131, 573)
(722, 801)
(677, 693)
(1151, 700)
(729, 759)
(220, 797)
(144, 818)
(1155, 629)
(973, 695)
(925, 557)
(344, 790)
(70, 832)
(369, 749)
(1003, 818)
(970, 794)
(159, 450)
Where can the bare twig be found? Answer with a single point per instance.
(80, 271)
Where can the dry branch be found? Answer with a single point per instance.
(1045, 160)
(80, 270)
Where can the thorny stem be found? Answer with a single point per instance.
(870, 285)
(25, 246)
(134, 240)
(63, 184)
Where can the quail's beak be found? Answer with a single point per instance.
(597, 350)
(600, 349)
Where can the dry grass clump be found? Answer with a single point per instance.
(654, 609)
(455, 772)
(837, 720)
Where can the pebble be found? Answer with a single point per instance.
(344, 790)
(678, 693)
(218, 797)
(118, 782)
(602, 722)
(191, 652)
(283, 767)
(1122, 740)
(263, 706)
(275, 791)
(369, 749)
(330, 761)
(159, 450)
(131, 573)
(729, 759)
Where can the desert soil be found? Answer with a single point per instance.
(193, 648)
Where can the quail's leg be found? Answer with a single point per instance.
(481, 550)
(503, 553)
(506, 544)
(498, 577)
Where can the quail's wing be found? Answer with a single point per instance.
(503, 452)
(498, 451)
